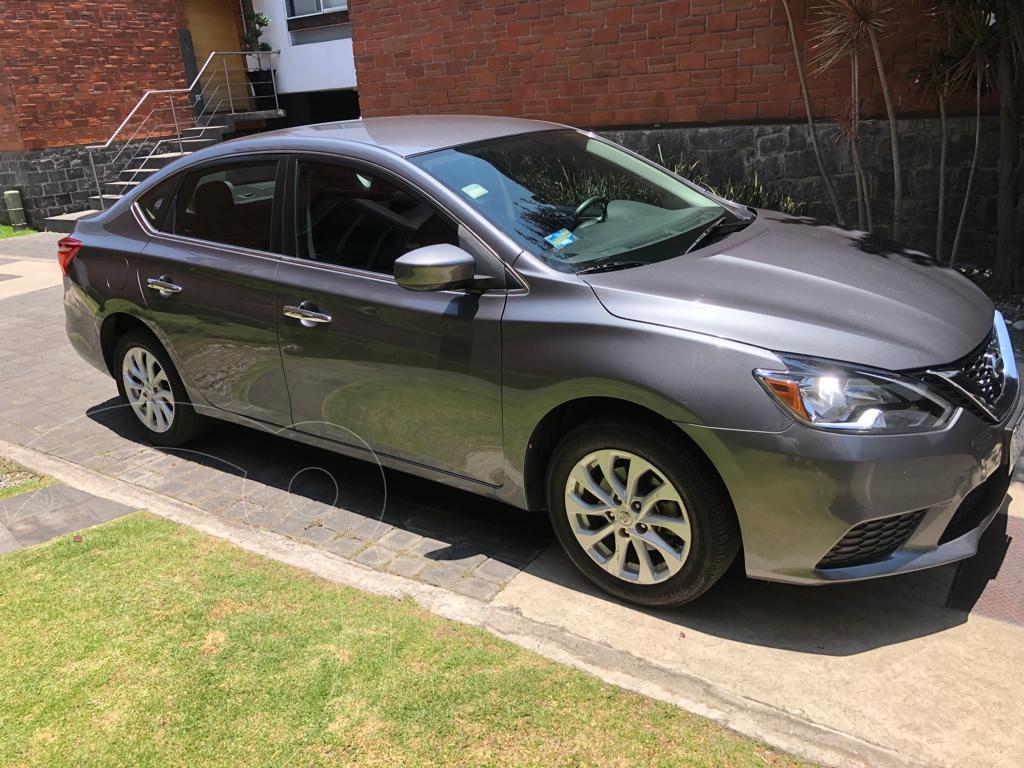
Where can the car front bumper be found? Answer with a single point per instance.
(803, 494)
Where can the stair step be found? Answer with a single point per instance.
(167, 156)
(66, 222)
(122, 183)
(108, 200)
(140, 170)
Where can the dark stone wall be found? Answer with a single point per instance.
(51, 181)
(782, 156)
(54, 181)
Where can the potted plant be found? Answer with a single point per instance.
(261, 77)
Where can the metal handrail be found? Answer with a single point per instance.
(187, 89)
(207, 101)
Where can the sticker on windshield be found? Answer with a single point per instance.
(561, 238)
(474, 190)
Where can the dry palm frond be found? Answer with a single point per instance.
(975, 44)
(842, 26)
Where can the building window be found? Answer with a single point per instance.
(321, 34)
(312, 7)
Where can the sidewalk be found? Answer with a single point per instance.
(885, 669)
(39, 516)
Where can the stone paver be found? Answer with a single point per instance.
(409, 567)
(345, 547)
(375, 557)
(474, 586)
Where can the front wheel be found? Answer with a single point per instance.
(641, 512)
(149, 385)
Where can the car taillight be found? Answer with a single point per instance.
(67, 249)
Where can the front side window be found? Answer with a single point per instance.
(353, 218)
(575, 200)
(231, 204)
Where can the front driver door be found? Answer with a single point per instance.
(411, 375)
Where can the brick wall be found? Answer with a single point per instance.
(73, 68)
(612, 62)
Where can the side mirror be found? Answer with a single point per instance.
(435, 268)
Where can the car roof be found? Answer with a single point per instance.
(413, 134)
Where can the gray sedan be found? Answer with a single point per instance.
(532, 313)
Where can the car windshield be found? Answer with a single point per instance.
(579, 202)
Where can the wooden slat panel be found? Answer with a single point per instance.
(214, 27)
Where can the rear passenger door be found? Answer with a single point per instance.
(411, 375)
(207, 276)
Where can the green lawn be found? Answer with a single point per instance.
(147, 643)
(8, 231)
(15, 479)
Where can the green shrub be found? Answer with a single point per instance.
(752, 192)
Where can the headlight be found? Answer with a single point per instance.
(833, 396)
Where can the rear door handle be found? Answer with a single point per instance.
(164, 285)
(306, 315)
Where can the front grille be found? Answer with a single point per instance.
(976, 382)
(871, 541)
(977, 505)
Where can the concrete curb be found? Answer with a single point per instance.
(782, 730)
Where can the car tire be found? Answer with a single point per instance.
(152, 389)
(690, 518)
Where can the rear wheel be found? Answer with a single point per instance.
(641, 512)
(149, 385)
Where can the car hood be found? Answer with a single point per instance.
(791, 284)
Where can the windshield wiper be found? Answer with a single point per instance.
(721, 226)
(609, 266)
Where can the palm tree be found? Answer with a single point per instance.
(863, 196)
(974, 45)
(811, 130)
(845, 26)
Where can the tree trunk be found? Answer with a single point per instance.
(863, 197)
(941, 222)
(974, 163)
(897, 167)
(1007, 277)
(812, 132)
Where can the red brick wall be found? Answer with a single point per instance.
(73, 68)
(611, 62)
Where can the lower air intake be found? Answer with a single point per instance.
(871, 541)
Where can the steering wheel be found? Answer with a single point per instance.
(588, 203)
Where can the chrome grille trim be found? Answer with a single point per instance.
(983, 382)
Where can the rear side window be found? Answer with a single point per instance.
(231, 204)
(156, 203)
(354, 218)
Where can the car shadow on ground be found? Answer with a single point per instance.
(836, 620)
(460, 524)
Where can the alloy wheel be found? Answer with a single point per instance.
(148, 389)
(627, 516)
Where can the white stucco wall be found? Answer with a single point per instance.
(311, 67)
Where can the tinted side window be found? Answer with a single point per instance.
(155, 204)
(231, 204)
(356, 219)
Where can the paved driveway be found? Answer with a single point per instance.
(930, 665)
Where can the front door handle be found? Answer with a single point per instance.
(164, 285)
(307, 315)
